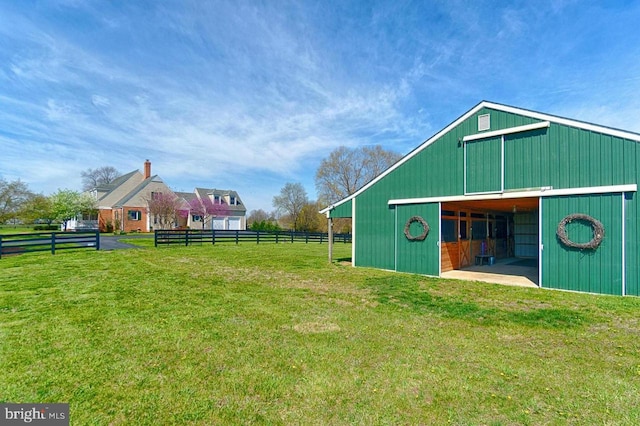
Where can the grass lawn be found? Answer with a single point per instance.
(17, 229)
(274, 334)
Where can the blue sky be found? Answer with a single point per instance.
(252, 95)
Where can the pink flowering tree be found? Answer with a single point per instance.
(207, 209)
(165, 208)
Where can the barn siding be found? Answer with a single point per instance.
(420, 257)
(374, 231)
(595, 271)
(483, 165)
(342, 210)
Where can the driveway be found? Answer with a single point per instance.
(112, 242)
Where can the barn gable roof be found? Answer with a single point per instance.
(544, 118)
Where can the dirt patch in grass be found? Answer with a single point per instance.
(316, 327)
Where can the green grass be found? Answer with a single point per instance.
(274, 334)
(16, 229)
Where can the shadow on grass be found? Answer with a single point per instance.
(405, 293)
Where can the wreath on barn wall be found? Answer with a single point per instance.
(596, 226)
(425, 229)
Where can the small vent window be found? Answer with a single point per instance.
(484, 122)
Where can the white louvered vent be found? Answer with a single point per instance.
(484, 122)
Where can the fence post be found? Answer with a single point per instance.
(321, 235)
(53, 243)
(186, 237)
(257, 237)
(237, 232)
(306, 237)
(98, 240)
(213, 236)
(0, 246)
(292, 236)
(277, 237)
(155, 238)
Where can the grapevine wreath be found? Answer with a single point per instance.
(596, 225)
(425, 229)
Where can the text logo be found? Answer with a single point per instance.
(34, 414)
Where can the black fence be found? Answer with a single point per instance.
(187, 237)
(48, 241)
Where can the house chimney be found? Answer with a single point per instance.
(147, 169)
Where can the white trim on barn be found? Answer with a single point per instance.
(533, 192)
(624, 243)
(353, 233)
(510, 130)
(540, 246)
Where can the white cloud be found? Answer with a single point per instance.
(100, 101)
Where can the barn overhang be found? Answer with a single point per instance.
(521, 193)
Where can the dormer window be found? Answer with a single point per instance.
(216, 199)
(232, 200)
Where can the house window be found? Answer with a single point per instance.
(216, 199)
(232, 200)
(156, 195)
(134, 215)
(196, 218)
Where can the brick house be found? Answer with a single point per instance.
(123, 204)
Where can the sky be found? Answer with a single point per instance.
(251, 95)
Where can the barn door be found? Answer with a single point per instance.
(483, 165)
(414, 253)
(596, 270)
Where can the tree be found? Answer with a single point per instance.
(347, 170)
(291, 200)
(259, 220)
(92, 178)
(206, 209)
(66, 204)
(257, 216)
(310, 220)
(166, 208)
(38, 207)
(13, 195)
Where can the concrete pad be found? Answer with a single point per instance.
(499, 273)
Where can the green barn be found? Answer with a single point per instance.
(502, 185)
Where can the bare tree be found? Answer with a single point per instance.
(260, 220)
(347, 170)
(258, 216)
(291, 200)
(92, 178)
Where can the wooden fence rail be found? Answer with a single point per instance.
(48, 241)
(186, 237)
